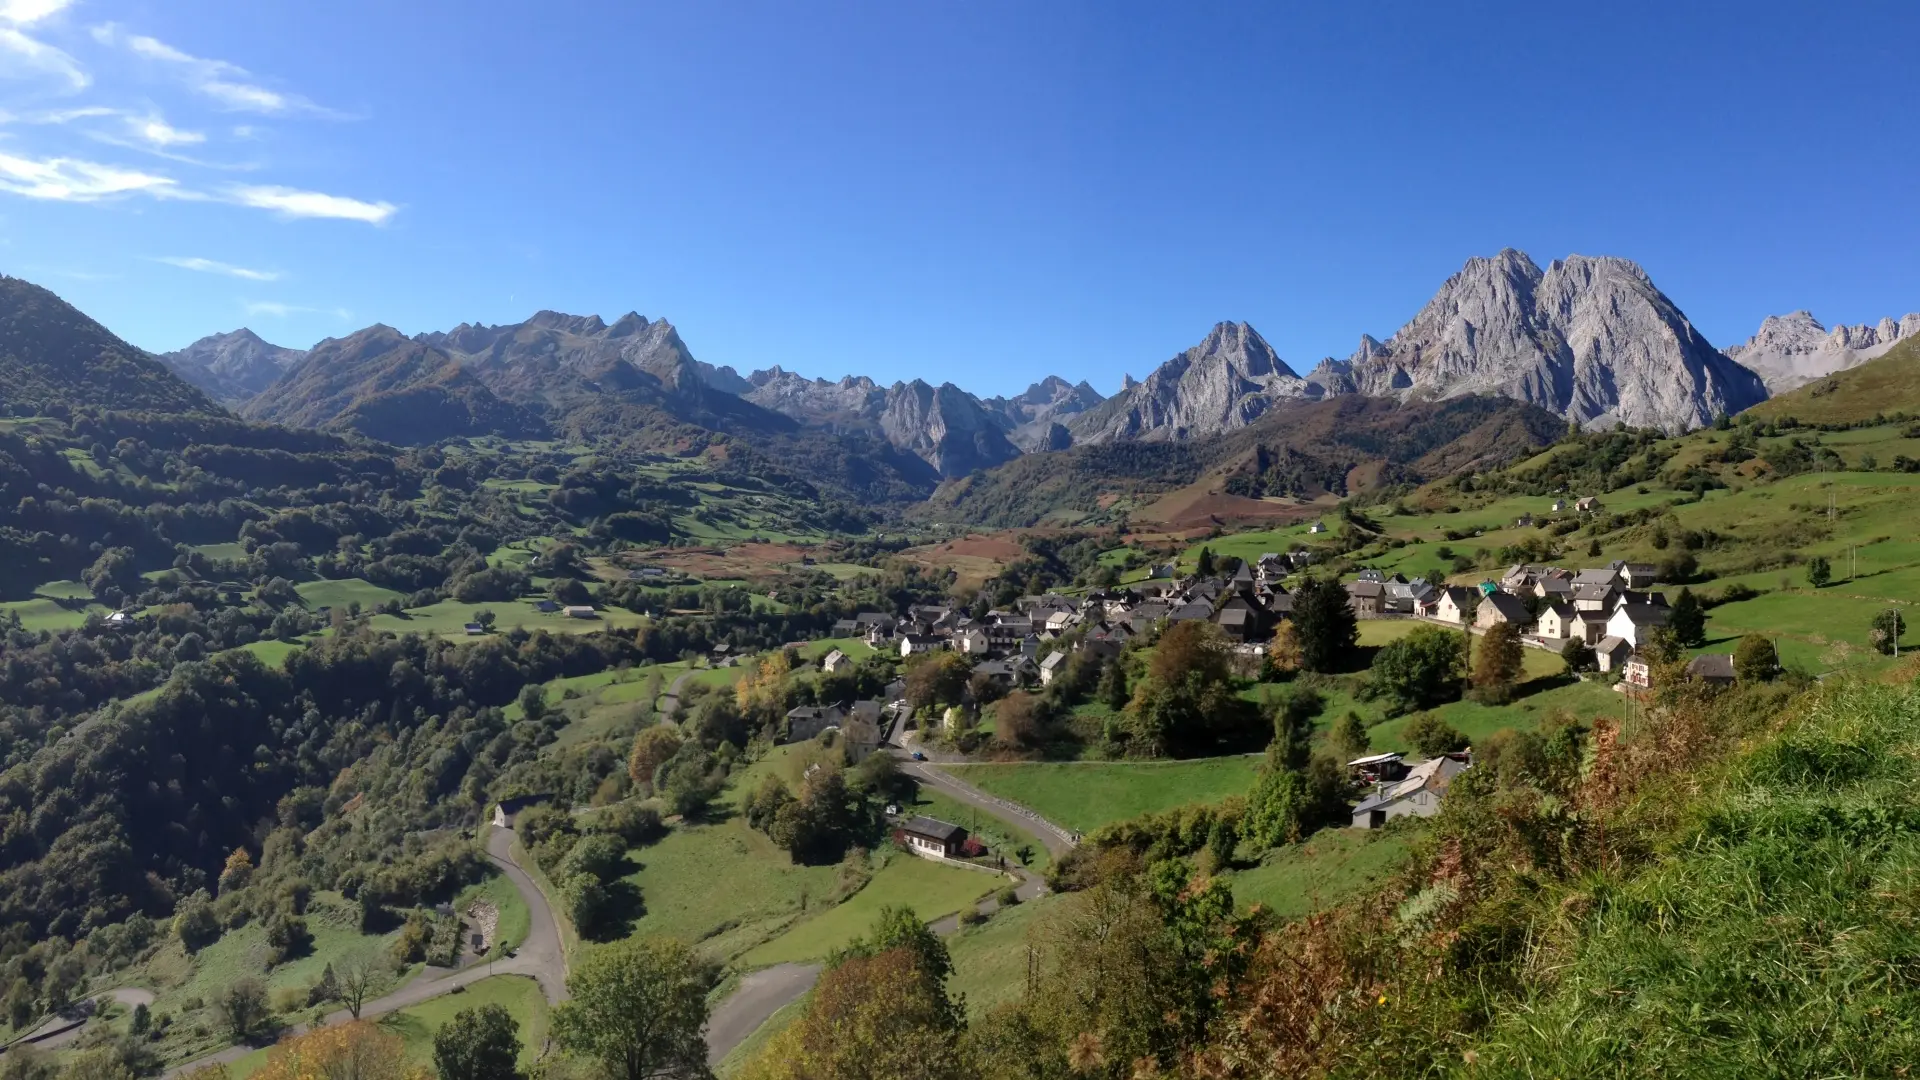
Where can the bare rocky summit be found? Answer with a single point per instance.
(1229, 380)
(233, 366)
(944, 426)
(1588, 338)
(1789, 351)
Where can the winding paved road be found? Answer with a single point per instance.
(766, 992)
(1058, 840)
(673, 695)
(539, 957)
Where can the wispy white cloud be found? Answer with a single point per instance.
(154, 129)
(292, 202)
(229, 85)
(209, 266)
(28, 12)
(23, 57)
(280, 311)
(64, 179)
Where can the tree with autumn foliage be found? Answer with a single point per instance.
(1128, 977)
(238, 871)
(355, 1051)
(652, 748)
(762, 692)
(1498, 662)
(873, 1017)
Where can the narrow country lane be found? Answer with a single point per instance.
(540, 957)
(1058, 840)
(765, 992)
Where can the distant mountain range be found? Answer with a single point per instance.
(1591, 340)
(1793, 350)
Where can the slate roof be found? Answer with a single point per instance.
(933, 829)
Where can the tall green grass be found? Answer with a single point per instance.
(1780, 935)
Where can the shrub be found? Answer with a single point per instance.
(1431, 736)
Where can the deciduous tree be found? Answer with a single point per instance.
(1418, 671)
(1430, 736)
(878, 1017)
(478, 1044)
(1819, 571)
(638, 1007)
(1888, 626)
(651, 749)
(1754, 659)
(354, 1051)
(243, 1007)
(1349, 736)
(1498, 661)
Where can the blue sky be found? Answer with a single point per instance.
(981, 192)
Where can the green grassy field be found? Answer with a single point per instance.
(857, 648)
(43, 614)
(930, 889)
(990, 960)
(1086, 795)
(725, 887)
(449, 618)
(187, 985)
(344, 592)
(272, 651)
(518, 994)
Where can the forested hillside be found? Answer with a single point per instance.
(51, 355)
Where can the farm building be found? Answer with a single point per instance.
(933, 838)
(1417, 794)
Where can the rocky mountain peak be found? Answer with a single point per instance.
(1241, 348)
(233, 366)
(1225, 382)
(581, 325)
(627, 325)
(1794, 349)
(1590, 338)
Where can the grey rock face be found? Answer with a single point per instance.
(1591, 339)
(1034, 419)
(944, 426)
(1794, 349)
(587, 343)
(233, 367)
(1226, 382)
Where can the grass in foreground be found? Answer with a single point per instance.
(1776, 940)
(990, 960)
